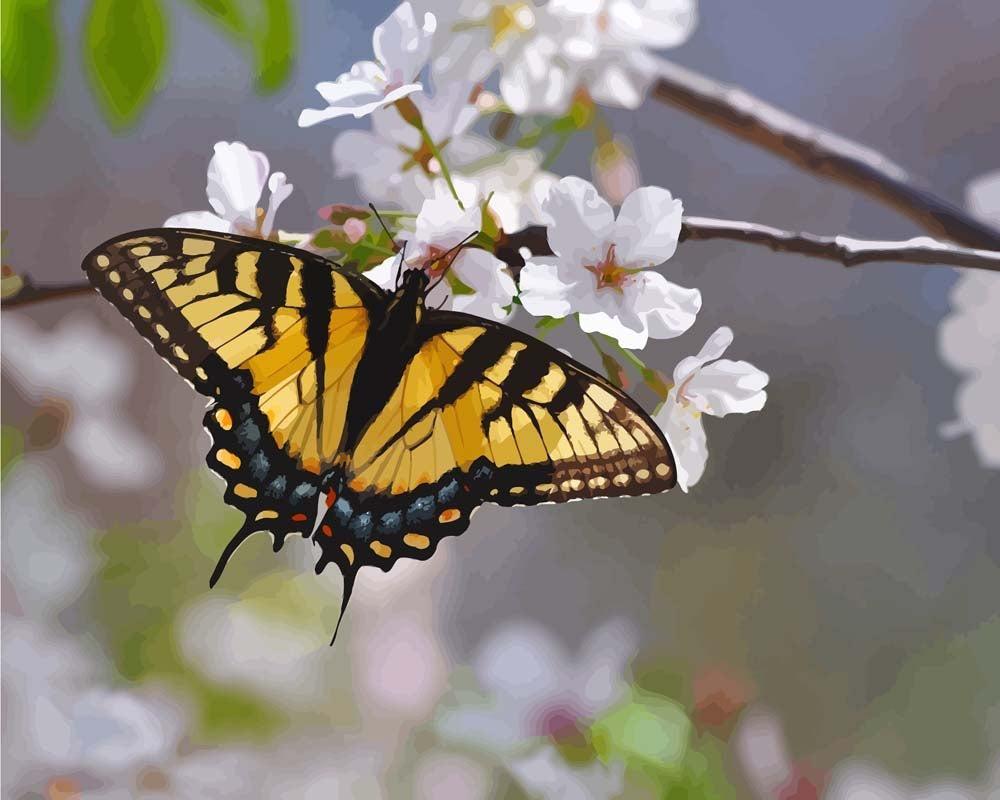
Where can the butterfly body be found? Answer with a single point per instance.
(362, 419)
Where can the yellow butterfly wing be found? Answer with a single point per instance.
(484, 413)
(274, 334)
(478, 390)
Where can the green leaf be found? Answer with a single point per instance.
(29, 60)
(227, 14)
(274, 45)
(548, 323)
(125, 47)
(649, 730)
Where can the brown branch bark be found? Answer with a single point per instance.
(30, 293)
(844, 250)
(819, 151)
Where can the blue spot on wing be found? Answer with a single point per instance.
(259, 466)
(392, 522)
(276, 488)
(447, 493)
(421, 510)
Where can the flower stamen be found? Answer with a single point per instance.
(609, 274)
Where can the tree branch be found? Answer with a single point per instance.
(29, 293)
(818, 151)
(844, 250)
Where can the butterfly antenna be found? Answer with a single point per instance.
(348, 589)
(449, 261)
(384, 226)
(402, 260)
(241, 536)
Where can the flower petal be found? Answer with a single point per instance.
(280, 190)
(401, 46)
(602, 664)
(384, 274)
(727, 387)
(364, 76)
(667, 309)
(201, 220)
(358, 105)
(536, 81)
(544, 773)
(685, 434)
(236, 178)
(442, 223)
(493, 285)
(656, 24)
(628, 328)
(582, 222)
(520, 664)
(492, 729)
(647, 228)
(546, 288)
(714, 347)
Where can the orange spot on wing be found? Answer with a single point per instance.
(327, 530)
(299, 517)
(331, 497)
(449, 515)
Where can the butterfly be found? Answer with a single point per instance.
(361, 419)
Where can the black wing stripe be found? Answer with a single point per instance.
(273, 271)
(318, 290)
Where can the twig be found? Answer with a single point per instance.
(818, 151)
(848, 251)
(30, 293)
(844, 250)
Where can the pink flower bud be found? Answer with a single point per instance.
(355, 229)
(616, 172)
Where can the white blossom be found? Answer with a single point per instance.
(237, 176)
(391, 162)
(402, 45)
(706, 384)
(440, 227)
(969, 339)
(513, 183)
(600, 269)
(538, 697)
(547, 52)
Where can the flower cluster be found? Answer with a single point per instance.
(547, 52)
(463, 202)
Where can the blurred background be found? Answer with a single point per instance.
(818, 616)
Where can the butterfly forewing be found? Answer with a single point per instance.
(259, 327)
(478, 392)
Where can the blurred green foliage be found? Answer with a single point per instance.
(29, 59)
(125, 48)
(151, 571)
(654, 737)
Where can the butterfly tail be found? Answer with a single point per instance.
(241, 536)
(348, 589)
